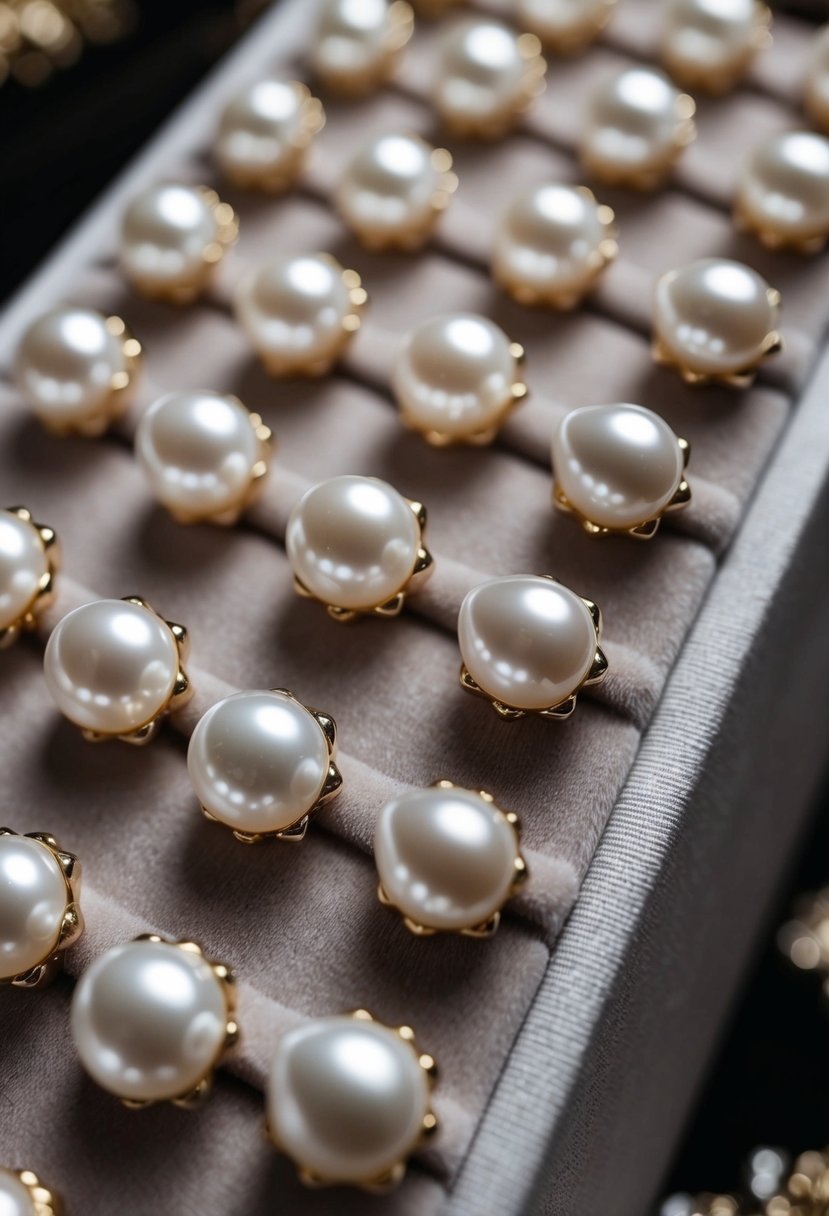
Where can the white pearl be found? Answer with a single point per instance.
(111, 666)
(299, 310)
(200, 453)
(714, 316)
(346, 1098)
(33, 899)
(816, 85)
(258, 761)
(551, 243)
(783, 193)
(265, 131)
(618, 466)
(486, 75)
(446, 857)
(357, 42)
(69, 363)
(565, 25)
(637, 124)
(24, 565)
(710, 43)
(170, 236)
(394, 189)
(353, 542)
(149, 1020)
(528, 642)
(455, 376)
(15, 1198)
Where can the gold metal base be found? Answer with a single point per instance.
(769, 238)
(741, 379)
(440, 439)
(72, 925)
(44, 1201)
(45, 594)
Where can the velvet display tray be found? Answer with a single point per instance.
(663, 811)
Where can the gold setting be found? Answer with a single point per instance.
(286, 365)
(278, 178)
(250, 495)
(227, 232)
(332, 786)
(516, 393)
(648, 527)
(488, 927)
(494, 126)
(770, 238)
(179, 696)
(227, 981)
(399, 31)
(72, 925)
(421, 571)
(573, 42)
(718, 79)
(44, 1201)
(415, 234)
(652, 176)
(45, 594)
(564, 708)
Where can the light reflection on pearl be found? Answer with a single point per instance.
(783, 194)
(265, 131)
(171, 235)
(357, 42)
(23, 566)
(33, 899)
(485, 76)
(710, 44)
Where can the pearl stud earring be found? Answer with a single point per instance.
(551, 244)
(816, 85)
(637, 126)
(618, 468)
(29, 559)
(486, 76)
(456, 378)
(262, 763)
(114, 668)
(77, 368)
(204, 455)
(565, 26)
(265, 132)
(172, 237)
(783, 194)
(357, 46)
(348, 1099)
(23, 1194)
(356, 545)
(40, 914)
(395, 189)
(711, 46)
(151, 1020)
(300, 312)
(529, 646)
(715, 320)
(448, 860)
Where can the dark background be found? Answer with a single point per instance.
(60, 144)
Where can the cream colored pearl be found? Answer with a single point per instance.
(15, 1198)
(783, 194)
(353, 542)
(111, 666)
(265, 132)
(393, 191)
(171, 236)
(456, 376)
(447, 858)
(637, 124)
(714, 317)
(551, 244)
(486, 76)
(357, 42)
(527, 642)
(565, 26)
(149, 1020)
(299, 311)
(816, 85)
(33, 900)
(346, 1099)
(618, 466)
(710, 44)
(24, 565)
(201, 453)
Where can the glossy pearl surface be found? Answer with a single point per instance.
(353, 541)
(710, 40)
(564, 25)
(198, 451)
(634, 122)
(33, 900)
(816, 85)
(356, 41)
(15, 1198)
(617, 465)
(784, 188)
(66, 363)
(111, 666)
(165, 232)
(714, 316)
(265, 130)
(149, 1020)
(393, 189)
(454, 375)
(258, 761)
(446, 857)
(482, 77)
(23, 564)
(526, 641)
(346, 1099)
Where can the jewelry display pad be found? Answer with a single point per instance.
(538, 1038)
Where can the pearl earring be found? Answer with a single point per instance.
(711, 47)
(357, 46)
(565, 26)
(40, 914)
(151, 1020)
(448, 860)
(783, 194)
(114, 668)
(265, 132)
(618, 468)
(29, 560)
(23, 1194)
(529, 646)
(349, 1099)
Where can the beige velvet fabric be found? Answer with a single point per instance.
(302, 925)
